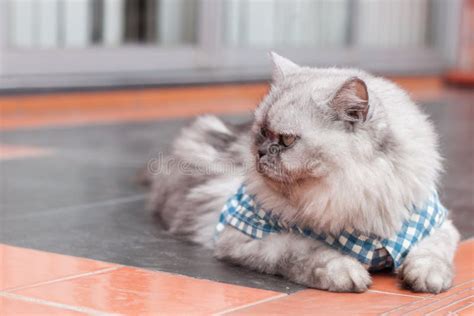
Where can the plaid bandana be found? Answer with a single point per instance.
(243, 213)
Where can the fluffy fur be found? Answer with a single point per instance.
(362, 153)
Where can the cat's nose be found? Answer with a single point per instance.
(261, 152)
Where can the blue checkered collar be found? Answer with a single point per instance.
(243, 213)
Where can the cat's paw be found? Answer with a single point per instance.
(343, 275)
(426, 273)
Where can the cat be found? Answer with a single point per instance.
(329, 150)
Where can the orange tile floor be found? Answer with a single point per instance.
(150, 104)
(41, 283)
(35, 282)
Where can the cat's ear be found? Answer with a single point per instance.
(282, 67)
(351, 101)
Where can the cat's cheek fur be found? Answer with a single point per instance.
(301, 260)
(429, 265)
(301, 164)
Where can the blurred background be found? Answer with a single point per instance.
(84, 43)
(92, 90)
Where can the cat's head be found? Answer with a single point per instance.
(314, 122)
(341, 148)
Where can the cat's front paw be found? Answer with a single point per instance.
(343, 275)
(427, 273)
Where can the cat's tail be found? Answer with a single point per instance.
(197, 146)
(196, 182)
(204, 140)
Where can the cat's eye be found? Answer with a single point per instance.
(287, 140)
(263, 132)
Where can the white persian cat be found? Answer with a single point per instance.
(330, 152)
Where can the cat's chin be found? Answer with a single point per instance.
(275, 185)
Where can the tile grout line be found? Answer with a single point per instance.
(430, 299)
(451, 304)
(38, 301)
(397, 308)
(266, 300)
(399, 294)
(114, 201)
(67, 278)
(463, 308)
(461, 284)
(444, 299)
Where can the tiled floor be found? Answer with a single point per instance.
(45, 283)
(68, 166)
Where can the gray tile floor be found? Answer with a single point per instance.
(84, 199)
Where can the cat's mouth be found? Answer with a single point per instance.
(279, 175)
(271, 172)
